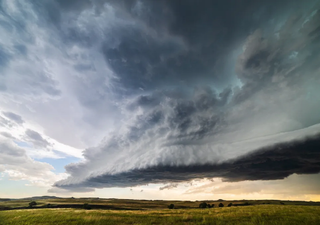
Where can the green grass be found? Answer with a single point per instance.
(257, 214)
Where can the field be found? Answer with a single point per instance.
(115, 211)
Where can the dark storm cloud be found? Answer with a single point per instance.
(158, 56)
(184, 43)
(281, 57)
(140, 61)
(276, 162)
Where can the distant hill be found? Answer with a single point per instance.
(40, 197)
(29, 198)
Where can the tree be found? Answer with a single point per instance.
(203, 205)
(230, 204)
(31, 204)
(171, 206)
(86, 206)
(220, 204)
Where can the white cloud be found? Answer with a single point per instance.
(37, 145)
(16, 165)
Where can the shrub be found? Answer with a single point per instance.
(31, 204)
(220, 204)
(230, 204)
(86, 206)
(171, 206)
(203, 205)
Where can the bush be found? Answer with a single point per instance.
(86, 206)
(230, 204)
(31, 204)
(171, 206)
(203, 205)
(220, 204)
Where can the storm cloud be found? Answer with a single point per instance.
(165, 91)
(272, 163)
(190, 121)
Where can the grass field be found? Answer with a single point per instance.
(260, 214)
(124, 211)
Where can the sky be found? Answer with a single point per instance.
(148, 99)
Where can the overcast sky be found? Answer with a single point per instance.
(160, 99)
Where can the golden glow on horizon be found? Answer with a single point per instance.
(295, 187)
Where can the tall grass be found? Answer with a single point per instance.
(249, 215)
